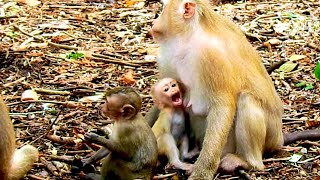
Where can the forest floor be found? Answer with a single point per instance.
(70, 52)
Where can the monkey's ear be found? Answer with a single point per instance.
(128, 111)
(189, 10)
(158, 103)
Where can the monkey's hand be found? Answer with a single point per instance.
(92, 136)
(187, 104)
(85, 162)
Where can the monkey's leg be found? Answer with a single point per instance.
(117, 169)
(109, 169)
(185, 154)
(167, 146)
(250, 131)
(274, 138)
(22, 161)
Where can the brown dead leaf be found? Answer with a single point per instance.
(130, 3)
(87, 54)
(311, 124)
(267, 45)
(35, 53)
(61, 140)
(58, 39)
(127, 78)
(274, 41)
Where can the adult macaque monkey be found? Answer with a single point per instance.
(226, 83)
(14, 164)
(170, 127)
(132, 144)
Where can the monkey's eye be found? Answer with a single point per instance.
(174, 85)
(166, 89)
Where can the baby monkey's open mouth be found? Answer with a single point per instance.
(176, 99)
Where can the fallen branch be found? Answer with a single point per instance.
(276, 159)
(255, 36)
(115, 62)
(66, 104)
(308, 160)
(275, 66)
(51, 92)
(163, 176)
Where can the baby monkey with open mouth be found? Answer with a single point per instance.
(170, 127)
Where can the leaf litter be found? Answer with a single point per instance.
(68, 53)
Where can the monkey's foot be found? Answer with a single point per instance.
(190, 155)
(231, 163)
(183, 166)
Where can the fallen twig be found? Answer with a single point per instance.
(163, 176)
(276, 159)
(14, 82)
(308, 160)
(43, 101)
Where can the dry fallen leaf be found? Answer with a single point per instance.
(296, 57)
(35, 53)
(274, 41)
(311, 124)
(28, 95)
(29, 2)
(127, 78)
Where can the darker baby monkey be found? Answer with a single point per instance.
(131, 149)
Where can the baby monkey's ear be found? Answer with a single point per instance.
(159, 104)
(128, 111)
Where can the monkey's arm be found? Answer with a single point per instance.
(101, 153)
(107, 143)
(220, 120)
(152, 115)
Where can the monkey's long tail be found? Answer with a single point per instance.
(22, 162)
(313, 134)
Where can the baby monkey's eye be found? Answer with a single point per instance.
(166, 89)
(174, 85)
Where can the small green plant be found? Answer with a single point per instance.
(317, 71)
(75, 55)
(12, 34)
(292, 15)
(308, 86)
(304, 85)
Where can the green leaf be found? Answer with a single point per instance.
(75, 55)
(317, 71)
(53, 111)
(287, 67)
(292, 15)
(309, 86)
(300, 84)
